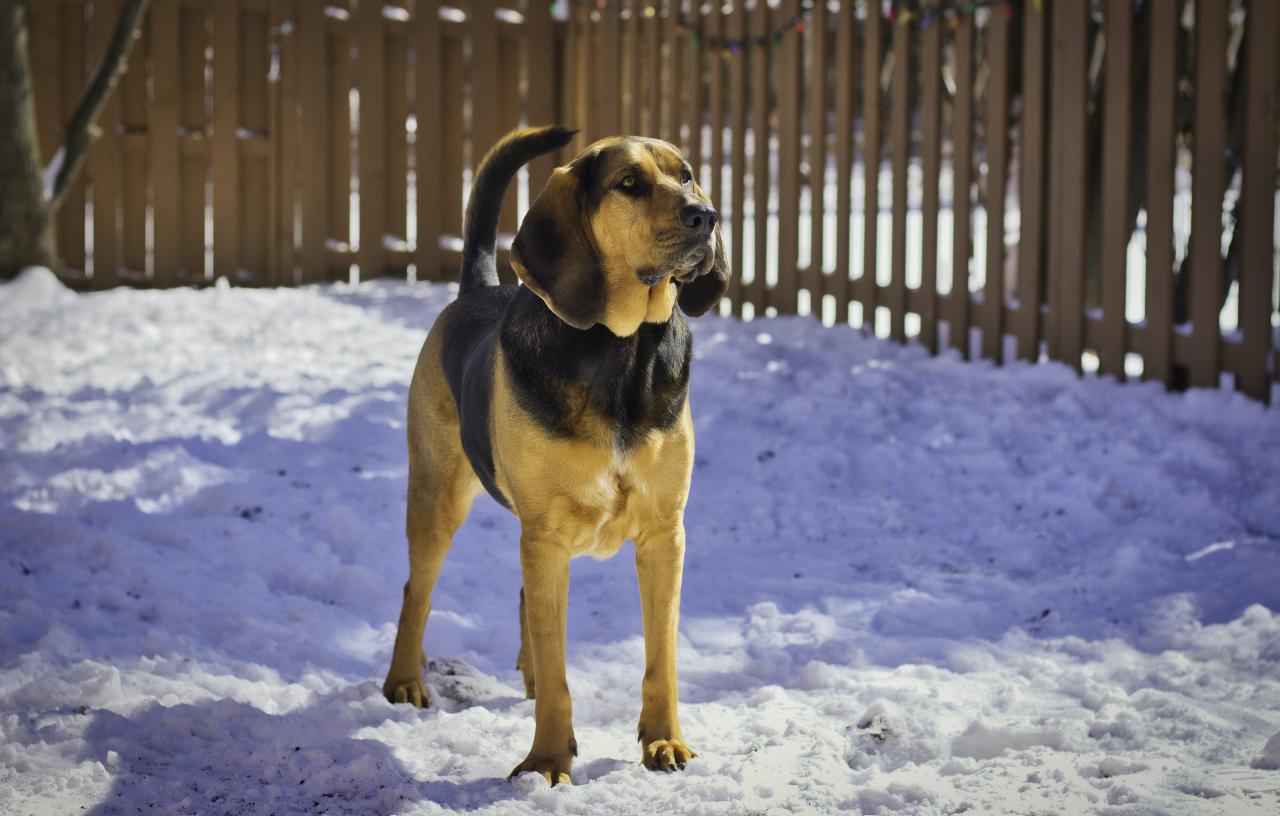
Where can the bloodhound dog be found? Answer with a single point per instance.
(566, 399)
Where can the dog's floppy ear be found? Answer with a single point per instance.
(554, 257)
(705, 291)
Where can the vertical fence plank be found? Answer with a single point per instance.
(427, 49)
(539, 46)
(284, 125)
(760, 157)
(846, 29)
(737, 29)
(312, 165)
(1067, 204)
(653, 73)
(630, 79)
(255, 164)
(605, 68)
(872, 57)
(226, 148)
(1031, 186)
(585, 51)
(71, 59)
(1257, 196)
(134, 125)
(508, 108)
(716, 25)
(340, 141)
(931, 159)
(396, 192)
(166, 157)
(1208, 182)
(788, 182)
(193, 122)
(482, 28)
(104, 162)
(674, 71)
(818, 64)
(43, 35)
(900, 147)
(693, 115)
(1117, 110)
(961, 179)
(1157, 350)
(371, 136)
(454, 137)
(997, 176)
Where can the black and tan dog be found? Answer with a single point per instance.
(567, 400)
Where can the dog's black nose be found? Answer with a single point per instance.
(698, 217)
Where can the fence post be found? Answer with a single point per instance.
(900, 155)
(539, 38)
(871, 59)
(789, 91)
(166, 156)
(931, 146)
(816, 279)
(992, 320)
(395, 188)
(1208, 181)
(737, 191)
(759, 295)
(226, 148)
(962, 178)
(1031, 189)
(1157, 348)
(372, 167)
(1257, 196)
(1066, 183)
(312, 65)
(1117, 124)
(104, 162)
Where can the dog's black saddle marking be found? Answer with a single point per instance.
(470, 342)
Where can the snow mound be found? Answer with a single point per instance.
(913, 585)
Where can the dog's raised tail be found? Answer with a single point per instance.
(480, 226)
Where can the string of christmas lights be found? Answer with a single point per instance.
(902, 12)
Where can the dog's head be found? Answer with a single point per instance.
(619, 236)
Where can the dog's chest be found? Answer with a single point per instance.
(604, 511)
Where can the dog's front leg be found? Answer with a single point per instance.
(544, 564)
(659, 566)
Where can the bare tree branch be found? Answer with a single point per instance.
(80, 131)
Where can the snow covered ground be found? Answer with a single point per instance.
(913, 585)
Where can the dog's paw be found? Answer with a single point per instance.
(411, 690)
(553, 769)
(667, 755)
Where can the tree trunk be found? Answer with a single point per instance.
(26, 238)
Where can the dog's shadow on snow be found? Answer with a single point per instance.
(226, 756)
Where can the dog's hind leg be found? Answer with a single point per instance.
(524, 660)
(442, 486)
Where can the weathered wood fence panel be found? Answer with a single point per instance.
(243, 132)
(1092, 183)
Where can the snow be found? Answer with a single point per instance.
(913, 585)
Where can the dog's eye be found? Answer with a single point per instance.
(685, 176)
(628, 182)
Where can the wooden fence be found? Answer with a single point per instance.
(1030, 178)
(243, 132)
(1038, 133)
